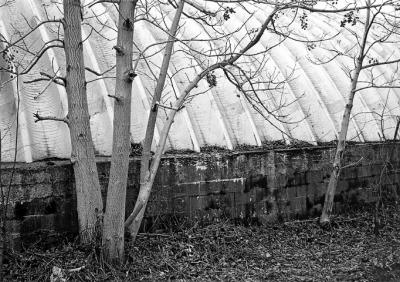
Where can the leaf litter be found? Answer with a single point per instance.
(354, 248)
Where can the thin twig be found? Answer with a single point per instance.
(154, 235)
(76, 269)
(103, 1)
(397, 128)
(301, 221)
(47, 85)
(38, 118)
(166, 107)
(353, 164)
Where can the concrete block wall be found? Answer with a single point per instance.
(260, 185)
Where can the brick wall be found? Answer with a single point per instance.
(261, 185)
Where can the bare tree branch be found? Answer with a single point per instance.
(38, 118)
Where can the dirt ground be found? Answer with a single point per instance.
(362, 246)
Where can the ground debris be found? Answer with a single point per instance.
(302, 251)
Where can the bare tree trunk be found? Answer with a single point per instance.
(88, 194)
(134, 220)
(337, 163)
(333, 180)
(113, 228)
(145, 183)
(2, 223)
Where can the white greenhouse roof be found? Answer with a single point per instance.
(313, 96)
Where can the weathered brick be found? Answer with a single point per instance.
(349, 173)
(291, 192)
(33, 223)
(13, 226)
(158, 207)
(8, 177)
(211, 185)
(181, 204)
(302, 190)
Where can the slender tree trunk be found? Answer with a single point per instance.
(337, 163)
(113, 228)
(333, 180)
(3, 218)
(145, 174)
(88, 194)
(134, 220)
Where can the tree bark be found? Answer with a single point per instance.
(145, 183)
(134, 220)
(113, 228)
(3, 219)
(337, 163)
(88, 194)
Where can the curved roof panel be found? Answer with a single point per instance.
(308, 107)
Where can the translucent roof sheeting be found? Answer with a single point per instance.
(291, 97)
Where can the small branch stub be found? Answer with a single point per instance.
(127, 24)
(115, 97)
(132, 75)
(119, 50)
